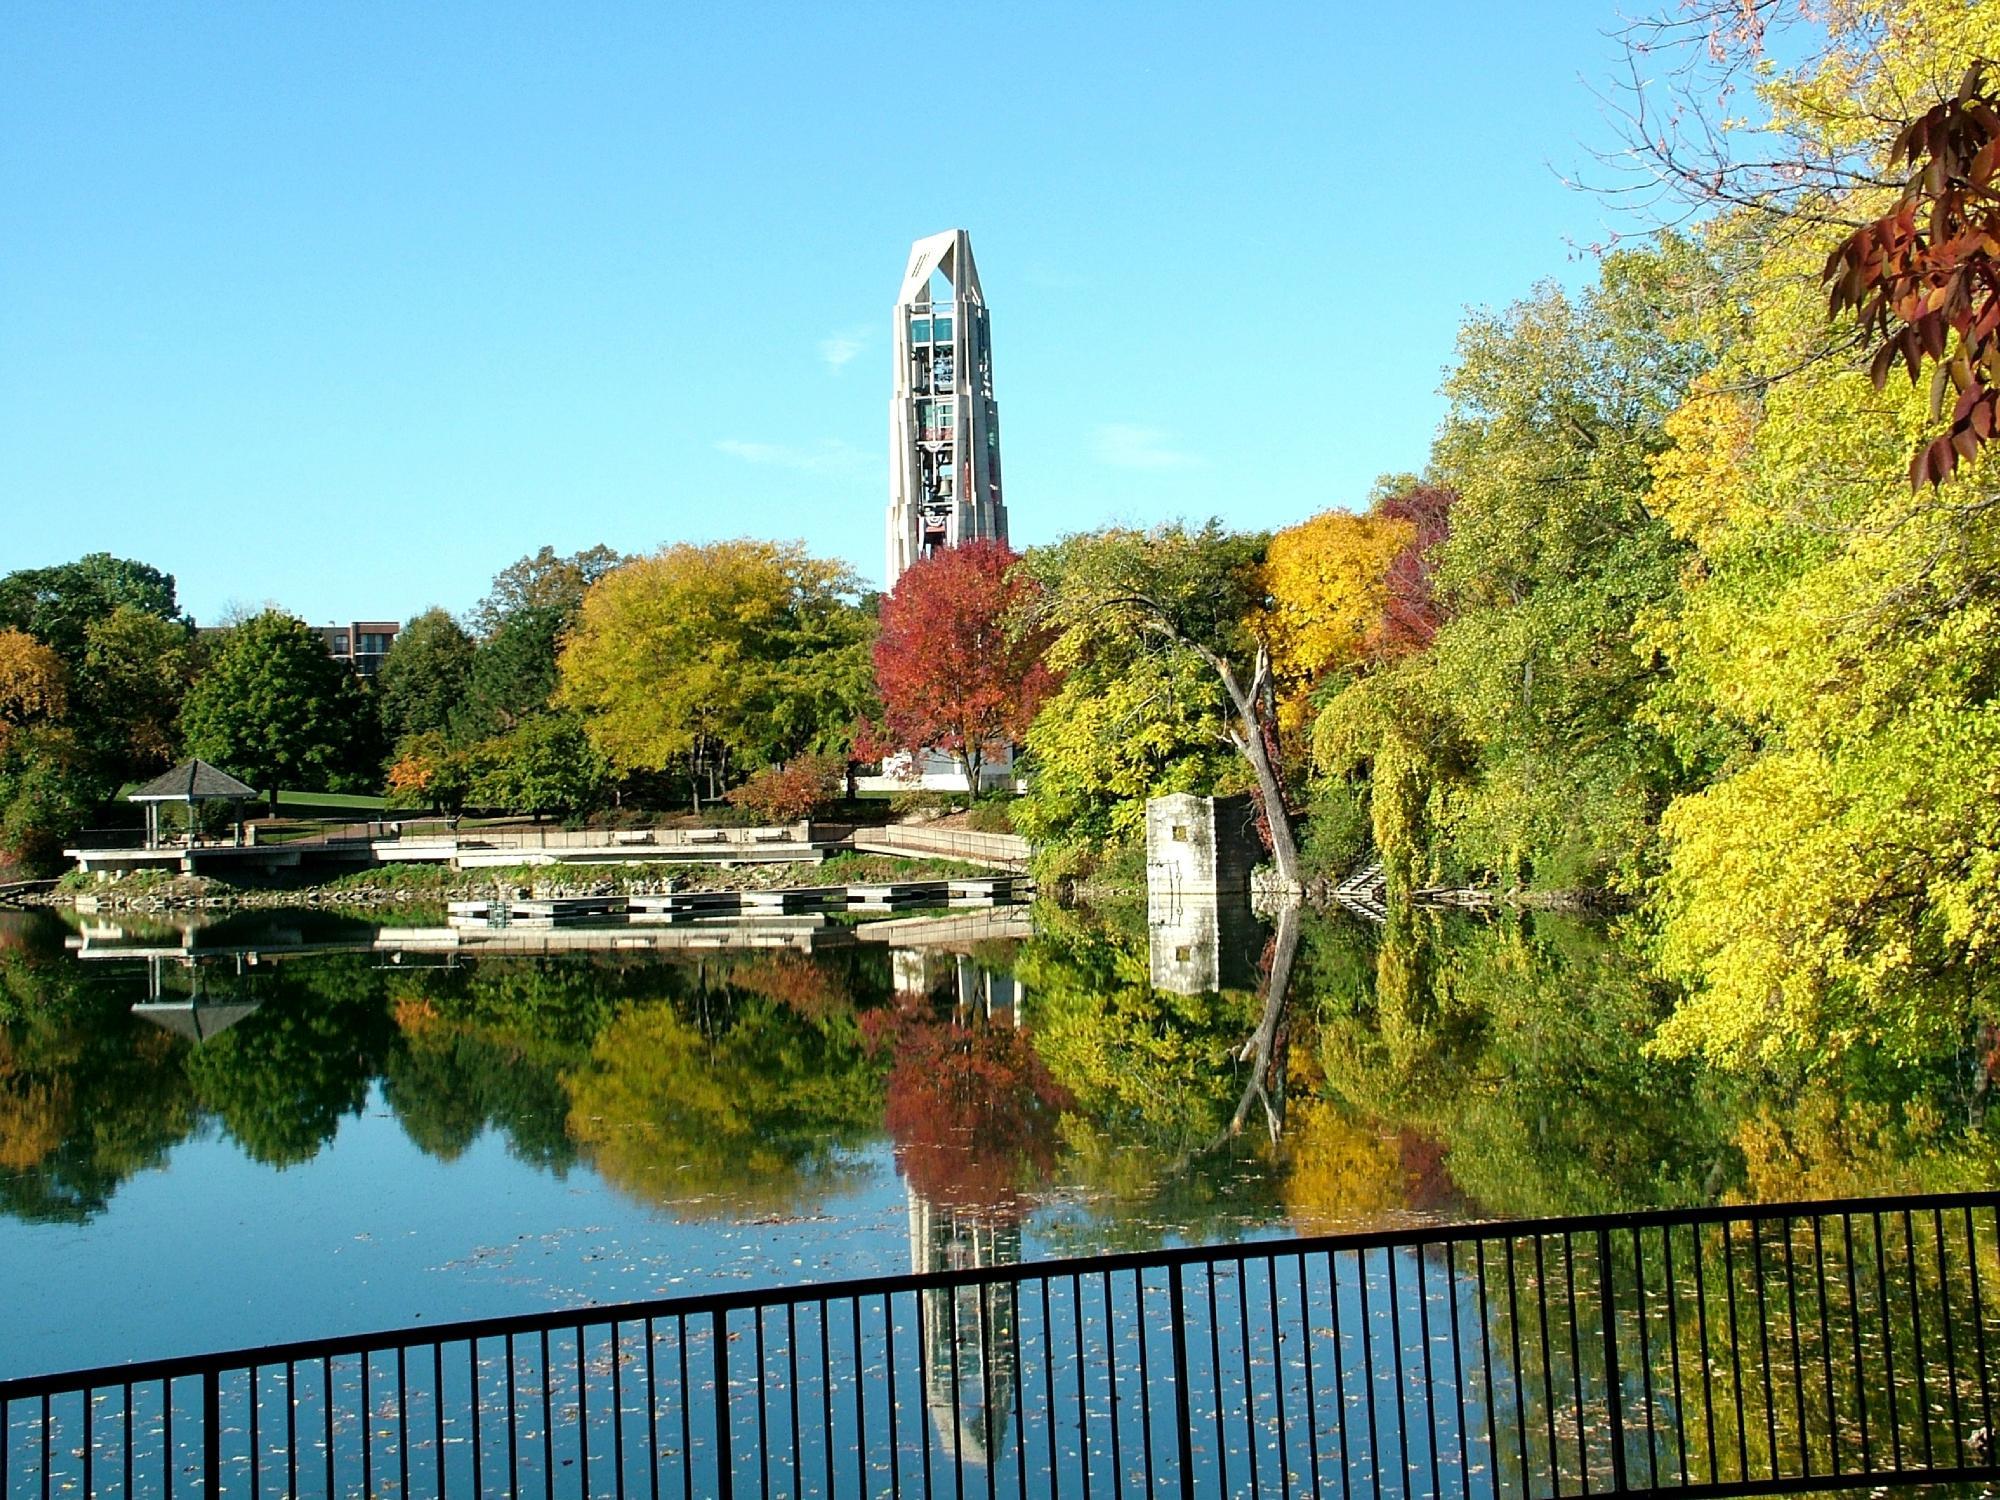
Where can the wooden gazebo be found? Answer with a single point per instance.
(192, 782)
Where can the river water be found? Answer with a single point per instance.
(273, 1127)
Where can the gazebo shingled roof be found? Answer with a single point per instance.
(194, 781)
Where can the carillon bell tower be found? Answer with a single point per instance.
(944, 427)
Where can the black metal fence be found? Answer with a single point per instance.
(1783, 1348)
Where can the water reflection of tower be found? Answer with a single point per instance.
(961, 1173)
(974, 993)
(971, 1345)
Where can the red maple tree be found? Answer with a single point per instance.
(1924, 278)
(1412, 612)
(953, 671)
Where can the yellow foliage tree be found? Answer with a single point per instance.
(34, 684)
(1326, 582)
(715, 656)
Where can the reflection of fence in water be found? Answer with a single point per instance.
(1709, 1352)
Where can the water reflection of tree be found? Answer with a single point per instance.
(549, 1052)
(283, 1078)
(1156, 1078)
(1518, 1044)
(88, 1094)
(971, 1107)
(741, 1104)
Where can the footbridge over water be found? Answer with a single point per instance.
(1776, 1349)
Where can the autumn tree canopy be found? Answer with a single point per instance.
(1328, 585)
(953, 671)
(718, 657)
(34, 684)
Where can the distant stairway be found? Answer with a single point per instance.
(1365, 892)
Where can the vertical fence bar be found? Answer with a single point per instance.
(1614, 1391)
(1430, 1384)
(1368, 1369)
(1252, 1451)
(1396, 1368)
(1520, 1374)
(652, 1410)
(1645, 1353)
(725, 1466)
(1183, 1416)
(860, 1403)
(1339, 1369)
(1979, 1328)
(1457, 1370)
(1312, 1395)
(1855, 1319)
(1826, 1348)
(1737, 1353)
(1950, 1346)
(1548, 1363)
(1146, 1373)
(1492, 1401)
(548, 1418)
(1215, 1373)
(402, 1421)
(1673, 1294)
(472, 1386)
(1917, 1336)
(211, 1436)
(1575, 1358)
(687, 1403)
(513, 1424)
(1798, 1356)
(1049, 1395)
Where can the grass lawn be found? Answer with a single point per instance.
(331, 801)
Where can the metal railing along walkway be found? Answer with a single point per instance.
(1711, 1352)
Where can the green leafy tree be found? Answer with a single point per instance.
(57, 605)
(1831, 886)
(423, 680)
(136, 671)
(1117, 732)
(428, 771)
(544, 580)
(520, 624)
(49, 787)
(513, 673)
(1513, 750)
(276, 710)
(545, 764)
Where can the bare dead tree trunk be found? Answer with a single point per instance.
(1262, 1043)
(1248, 738)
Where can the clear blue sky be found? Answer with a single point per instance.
(347, 306)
